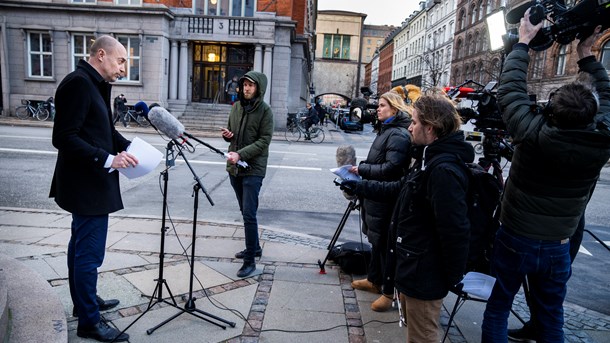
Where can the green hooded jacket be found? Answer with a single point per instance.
(252, 125)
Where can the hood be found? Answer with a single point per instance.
(261, 85)
(453, 143)
(577, 146)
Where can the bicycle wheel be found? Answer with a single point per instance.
(317, 135)
(42, 114)
(142, 121)
(22, 112)
(292, 134)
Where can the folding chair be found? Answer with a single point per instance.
(475, 287)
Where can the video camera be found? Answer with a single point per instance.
(486, 117)
(568, 24)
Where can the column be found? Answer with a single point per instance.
(267, 71)
(183, 70)
(173, 71)
(258, 58)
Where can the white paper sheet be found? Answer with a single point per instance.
(345, 173)
(148, 159)
(478, 284)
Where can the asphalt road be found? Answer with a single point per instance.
(298, 194)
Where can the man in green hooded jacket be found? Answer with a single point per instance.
(249, 133)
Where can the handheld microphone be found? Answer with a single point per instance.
(458, 92)
(141, 108)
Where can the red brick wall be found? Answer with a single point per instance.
(386, 56)
(172, 3)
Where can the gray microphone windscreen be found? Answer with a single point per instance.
(346, 154)
(165, 122)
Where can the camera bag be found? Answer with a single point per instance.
(352, 257)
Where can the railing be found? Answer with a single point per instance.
(201, 25)
(241, 27)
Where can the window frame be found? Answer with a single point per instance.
(41, 55)
(131, 58)
(87, 47)
(562, 56)
(116, 2)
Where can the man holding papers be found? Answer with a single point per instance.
(88, 146)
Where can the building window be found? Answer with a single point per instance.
(40, 51)
(132, 66)
(336, 47)
(606, 56)
(84, 1)
(462, 19)
(538, 66)
(129, 2)
(81, 47)
(561, 60)
(235, 8)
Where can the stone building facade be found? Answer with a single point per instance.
(179, 52)
(338, 53)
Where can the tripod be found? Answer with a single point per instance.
(161, 282)
(353, 205)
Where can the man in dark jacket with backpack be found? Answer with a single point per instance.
(557, 160)
(431, 214)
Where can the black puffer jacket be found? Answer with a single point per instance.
(388, 160)
(430, 219)
(553, 170)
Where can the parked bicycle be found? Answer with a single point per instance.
(132, 116)
(295, 129)
(40, 112)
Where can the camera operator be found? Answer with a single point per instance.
(557, 160)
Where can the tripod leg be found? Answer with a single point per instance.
(350, 207)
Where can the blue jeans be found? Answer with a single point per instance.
(547, 267)
(86, 251)
(246, 190)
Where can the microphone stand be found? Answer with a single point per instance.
(190, 307)
(169, 162)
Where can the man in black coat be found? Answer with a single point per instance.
(430, 217)
(85, 182)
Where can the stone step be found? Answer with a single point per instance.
(36, 312)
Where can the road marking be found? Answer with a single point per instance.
(45, 152)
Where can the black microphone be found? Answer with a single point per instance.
(514, 16)
(167, 124)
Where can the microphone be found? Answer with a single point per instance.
(514, 16)
(346, 155)
(141, 108)
(167, 124)
(458, 92)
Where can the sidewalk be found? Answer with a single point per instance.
(285, 297)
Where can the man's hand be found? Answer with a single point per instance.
(124, 160)
(226, 133)
(350, 187)
(584, 45)
(232, 157)
(527, 31)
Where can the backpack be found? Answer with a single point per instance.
(352, 257)
(483, 200)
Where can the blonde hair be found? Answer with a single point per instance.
(395, 101)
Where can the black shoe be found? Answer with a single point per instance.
(104, 305)
(246, 269)
(242, 254)
(102, 332)
(524, 334)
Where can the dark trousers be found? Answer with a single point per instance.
(85, 254)
(246, 190)
(547, 266)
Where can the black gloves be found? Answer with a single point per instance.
(350, 187)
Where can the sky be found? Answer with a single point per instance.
(379, 12)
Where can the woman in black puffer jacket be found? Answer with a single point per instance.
(387, 160)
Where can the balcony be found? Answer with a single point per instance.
(219, 28)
